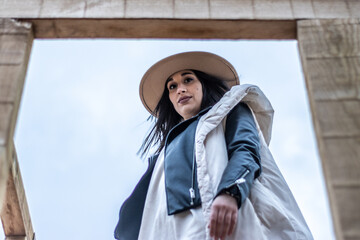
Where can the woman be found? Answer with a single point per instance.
(206, 180)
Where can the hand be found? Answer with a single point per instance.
(223, 218)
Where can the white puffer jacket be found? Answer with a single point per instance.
(270, 211)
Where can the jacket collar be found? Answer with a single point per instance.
(185, 123)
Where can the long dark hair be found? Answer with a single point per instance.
(213, 89)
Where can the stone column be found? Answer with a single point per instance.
(330, 55)
(15, 45)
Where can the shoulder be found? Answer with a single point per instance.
(240, 120)
(240, 110)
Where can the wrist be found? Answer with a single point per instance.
(233, 192)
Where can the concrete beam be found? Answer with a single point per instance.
(17, 238)
(163, 28)
(181, 9)
(330, 55)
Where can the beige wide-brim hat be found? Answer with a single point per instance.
(152, 84)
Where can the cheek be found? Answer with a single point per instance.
(172, 99)
(199, 93)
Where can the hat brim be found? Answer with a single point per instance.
(152, 84)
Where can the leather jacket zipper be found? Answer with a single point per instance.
(240, 180)
(191, 189)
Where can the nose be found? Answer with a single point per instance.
(181, 89)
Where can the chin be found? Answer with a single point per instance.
(188, 111)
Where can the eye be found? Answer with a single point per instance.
(187, 80)
(171, 86)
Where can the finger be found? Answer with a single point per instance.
(219, 223)
(226, 224)
(233, 222)
(213, 219)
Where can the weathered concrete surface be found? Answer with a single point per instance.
(14, 42)
(15, 215)
(15, 46)
(230, 19)
(330, 54)
(181, 9)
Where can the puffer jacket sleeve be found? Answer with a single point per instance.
(243, 147)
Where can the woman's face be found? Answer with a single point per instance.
(185, 93)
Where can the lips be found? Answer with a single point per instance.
(184, 99)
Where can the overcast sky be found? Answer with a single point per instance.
(81, 123)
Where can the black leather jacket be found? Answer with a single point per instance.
(182, 193)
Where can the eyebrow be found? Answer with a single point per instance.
(183, 74)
